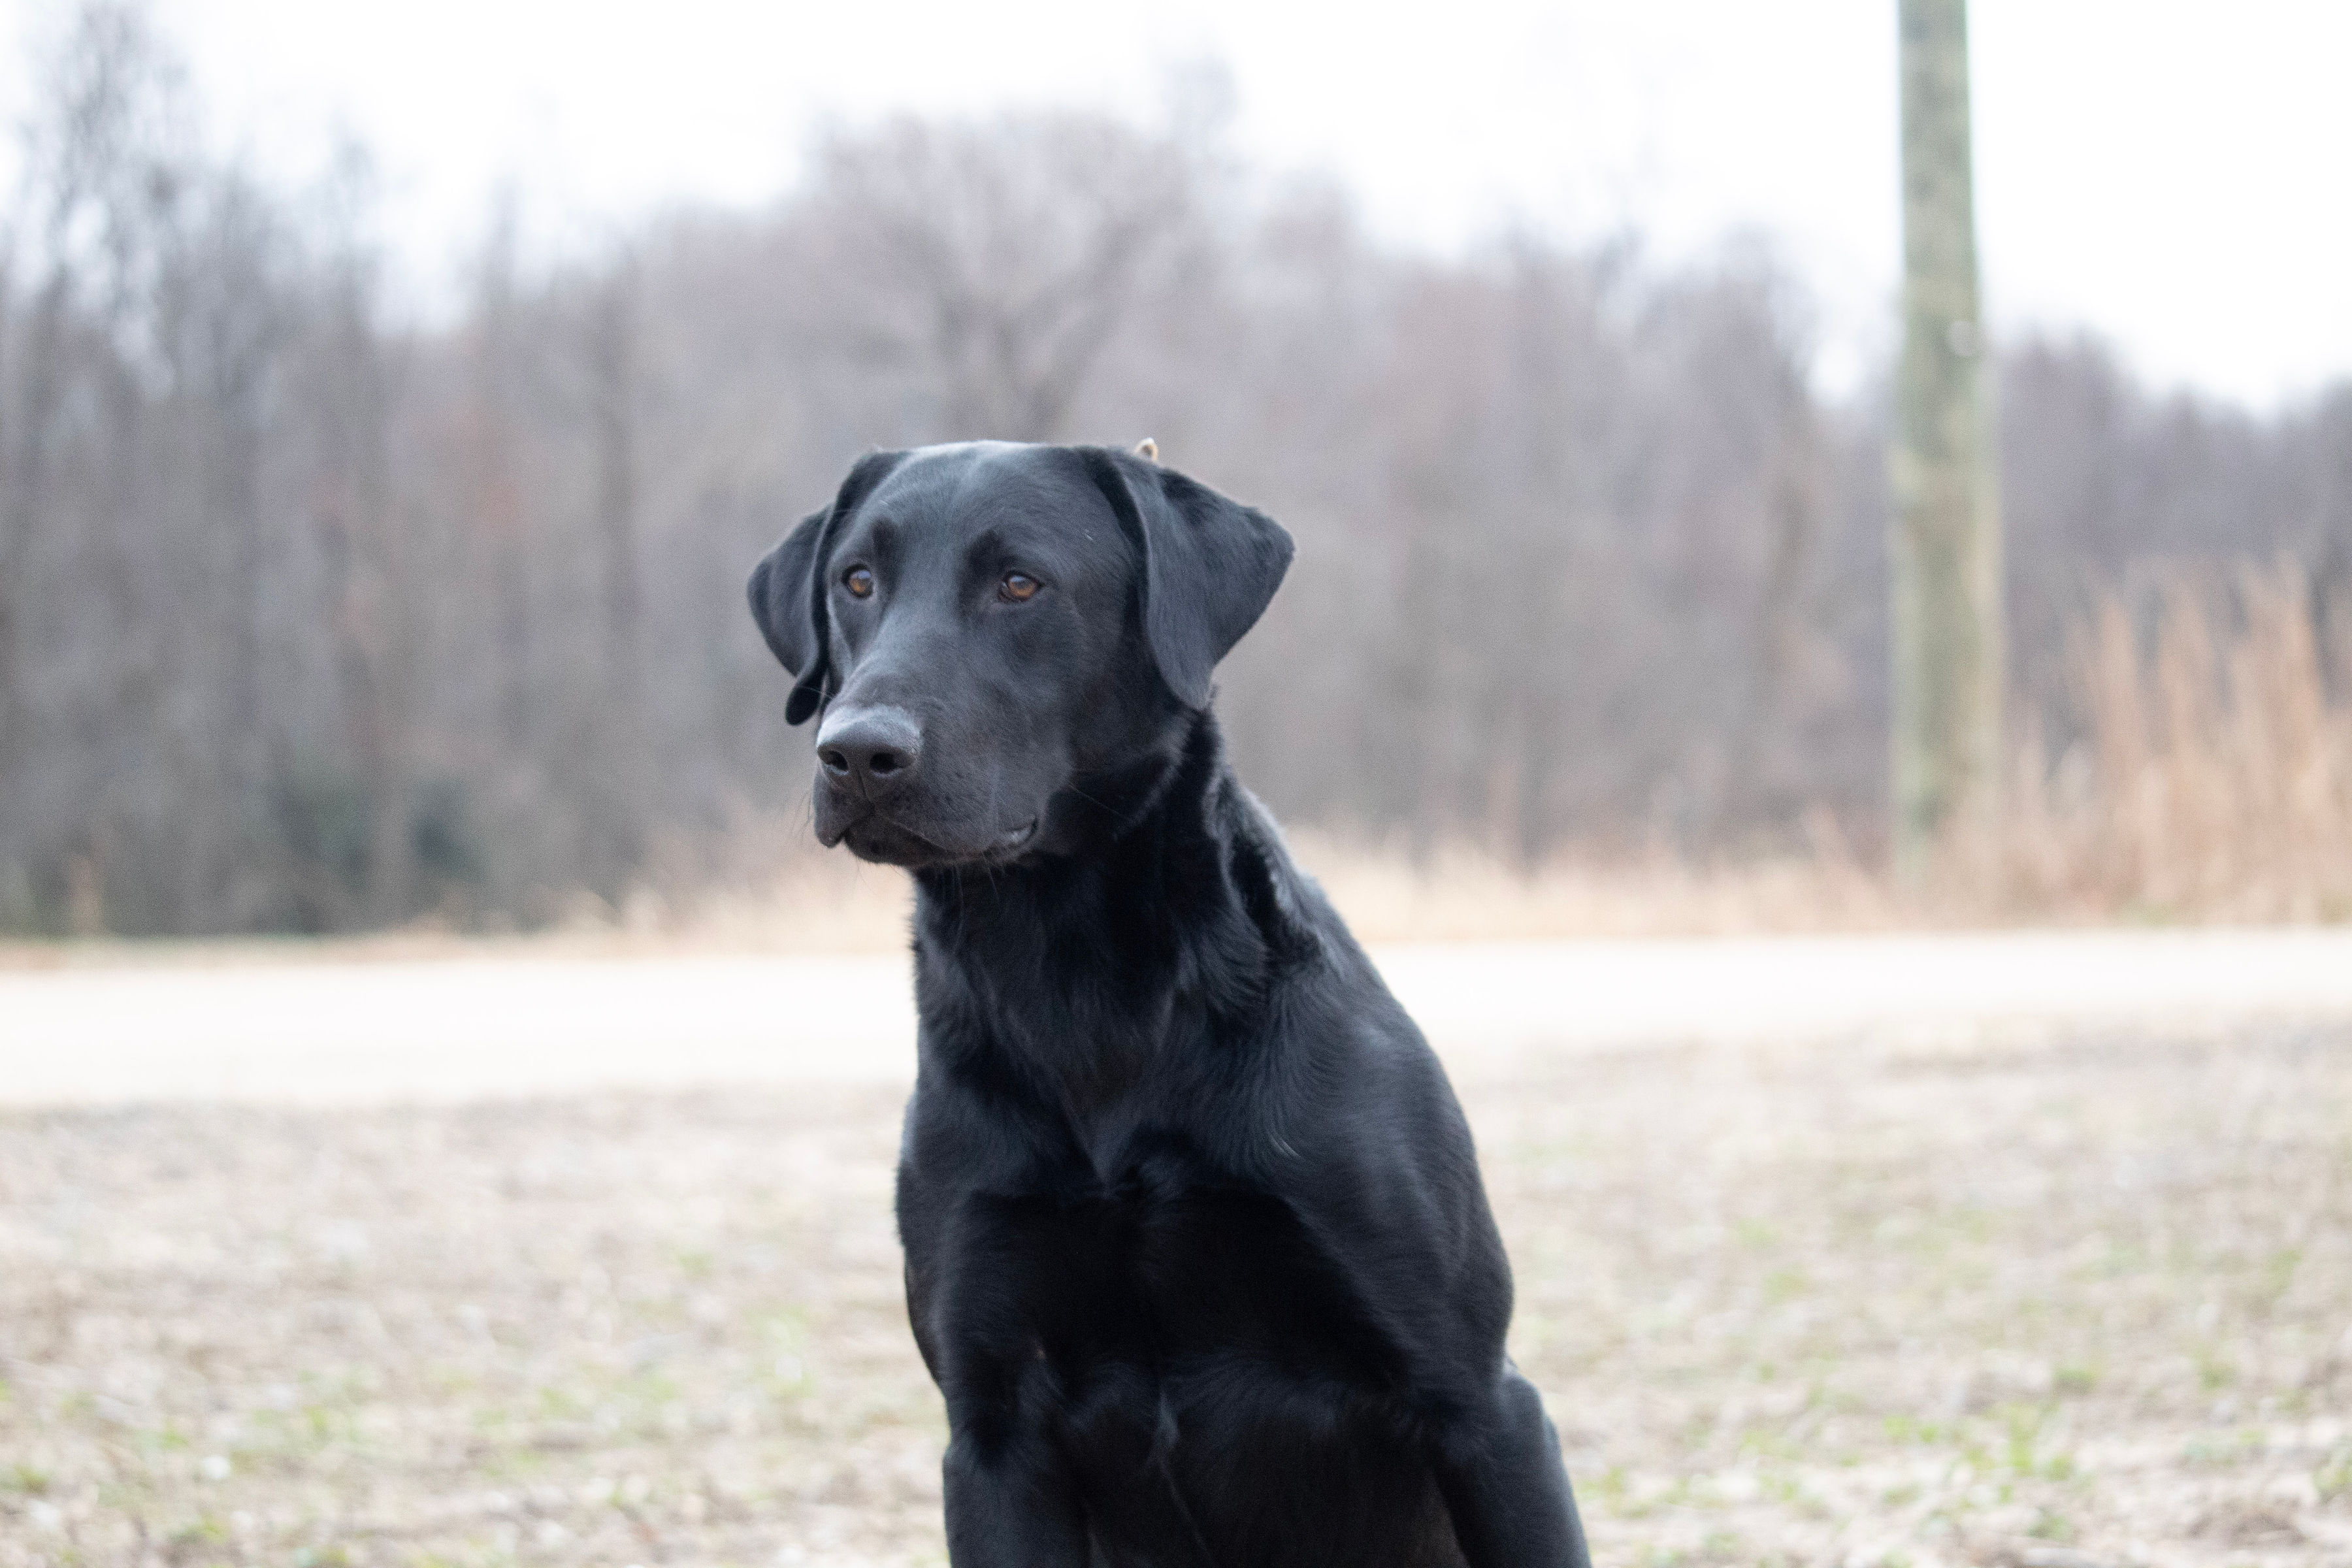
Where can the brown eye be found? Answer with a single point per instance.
(1019, 587)
(859, 582)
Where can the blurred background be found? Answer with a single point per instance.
(392, 403)
(448, 1107)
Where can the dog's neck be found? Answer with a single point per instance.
(1084, 969)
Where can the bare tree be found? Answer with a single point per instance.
(310, 618)
(998, 260)
(614, 395)
(341, 789)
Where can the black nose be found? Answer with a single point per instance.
(877, 749)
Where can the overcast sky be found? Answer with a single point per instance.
(2172, 175)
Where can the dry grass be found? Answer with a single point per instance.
(2215, 778)
(2212, 783)
(815, 902)
(2008, 1298)
(1461, 894)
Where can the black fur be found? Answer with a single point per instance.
(1196, 1246)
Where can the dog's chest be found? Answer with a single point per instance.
(1167, 1278)
(1184, 1342)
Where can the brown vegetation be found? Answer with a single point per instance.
(2207, 779)
(2213, 777)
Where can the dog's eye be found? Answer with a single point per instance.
(859, 582)
(1018, 586)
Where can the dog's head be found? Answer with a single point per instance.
(988, 626)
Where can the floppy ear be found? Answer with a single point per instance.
(1210, 565)
(788, 591)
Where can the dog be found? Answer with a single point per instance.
(1196, 1246)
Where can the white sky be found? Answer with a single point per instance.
(2176, 176)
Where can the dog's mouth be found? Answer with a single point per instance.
(877, 837)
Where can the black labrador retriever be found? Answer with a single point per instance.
(1196, 1246)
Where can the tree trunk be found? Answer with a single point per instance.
(1946, 544)
(624, 770)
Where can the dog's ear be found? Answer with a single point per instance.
(791, 612)
(788, 593)
(1210, 565)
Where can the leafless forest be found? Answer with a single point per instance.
(312, 618)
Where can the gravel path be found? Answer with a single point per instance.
(361, 1033)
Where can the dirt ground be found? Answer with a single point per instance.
(2034, 1298)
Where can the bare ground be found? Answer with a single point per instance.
(2007, 1296)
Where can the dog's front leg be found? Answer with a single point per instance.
(1011, 1501)
(1500, 1468)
